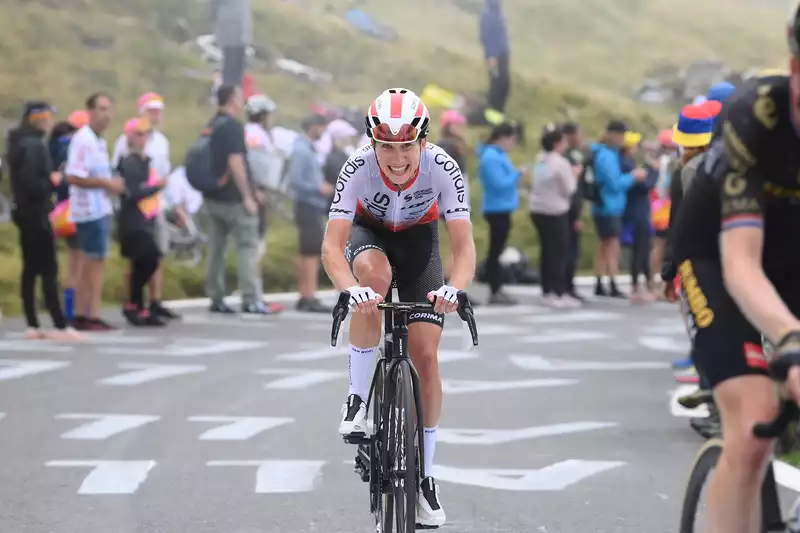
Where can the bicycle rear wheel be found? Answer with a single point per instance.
(704, 464)
(402, 440)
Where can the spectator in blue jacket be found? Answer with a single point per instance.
(637, 218)
(612, 186)
(496, 50)
(499, 178)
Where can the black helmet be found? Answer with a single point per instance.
(793, 32)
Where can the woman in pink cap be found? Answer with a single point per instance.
(136, 221)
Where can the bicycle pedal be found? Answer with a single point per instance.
(356, 438)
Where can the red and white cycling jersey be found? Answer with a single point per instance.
(362, 189)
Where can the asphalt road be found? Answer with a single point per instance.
(559, 422)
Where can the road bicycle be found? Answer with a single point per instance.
(388, 458)
(771, 515)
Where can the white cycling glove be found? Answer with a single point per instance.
(360, 295)
(446, 292)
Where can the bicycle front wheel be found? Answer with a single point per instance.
(704, 464)
(402, 439)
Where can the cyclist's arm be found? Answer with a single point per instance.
(463, 247)
(340, 221)
(333, 259)
(742, 237)
(454, 202)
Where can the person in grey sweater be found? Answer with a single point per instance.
(312, 196)
(554, 183)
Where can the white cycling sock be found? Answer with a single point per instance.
(362, 364)
(430, 448)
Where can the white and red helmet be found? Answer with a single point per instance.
(397, 116)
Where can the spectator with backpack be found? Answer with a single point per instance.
(612, 186)
(216, 166)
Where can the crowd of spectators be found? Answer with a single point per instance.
(66, 186)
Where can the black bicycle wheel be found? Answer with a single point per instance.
(382, 503)
(402, 466)
(705, 462)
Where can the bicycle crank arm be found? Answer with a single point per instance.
(362, 464)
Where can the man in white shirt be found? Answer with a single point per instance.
(151, 105)
(88, 172)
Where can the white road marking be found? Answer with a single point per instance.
(299, 378)
(104, 425)
(110, 477)
(464, 386)
(489, 437)
(15, 369)
(575, 317)
(314, 354)
(555, 336)
(535, 362)
(188, 347)
(281, 477)
(238, 427)
(557, 476)
(143, 373)
(665, 344)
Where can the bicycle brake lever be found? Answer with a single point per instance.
(466, 313)
(339, 314)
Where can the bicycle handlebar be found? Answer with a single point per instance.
(465, 312)
(789, 411)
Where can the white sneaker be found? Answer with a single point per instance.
(568, 302)
(430, 514)
(354, 416)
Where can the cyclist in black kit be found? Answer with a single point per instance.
(737, 250)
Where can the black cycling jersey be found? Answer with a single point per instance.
(750, 178)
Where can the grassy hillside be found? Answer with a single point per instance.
(599, 43)
(44, 46)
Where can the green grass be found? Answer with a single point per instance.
(40, 41)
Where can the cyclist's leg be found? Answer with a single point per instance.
(727, 351)
(418, 267)
(371, 268)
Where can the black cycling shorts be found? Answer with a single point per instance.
(724, 343)
(414, 256)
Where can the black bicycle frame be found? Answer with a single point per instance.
(395, 351)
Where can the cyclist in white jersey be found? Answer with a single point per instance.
(384, 217)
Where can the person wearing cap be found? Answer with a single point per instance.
(342, 135)
(151, 106)
(612, 185)
(636, 218)
(33, 180)
(88, 172)
(313, 195)
(720, 92)
(266, 162)
(136, 221)
(58, 145)
(692, 133)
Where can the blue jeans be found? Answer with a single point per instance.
(94, 237)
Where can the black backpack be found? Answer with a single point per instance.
(199, 163)
(589, 188)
